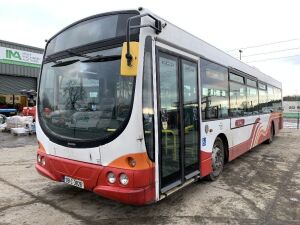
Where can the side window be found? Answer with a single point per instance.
(271, 98)
(252, 101)
(251, 83)
(238, 96)
(277, 104)
(252, 97)
(148, 112)
(280, 99)
(214, 102)
(263, 98)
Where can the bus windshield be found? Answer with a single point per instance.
(84, 99)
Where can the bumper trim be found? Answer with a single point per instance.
(44, 172)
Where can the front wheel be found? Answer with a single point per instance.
(217, 159)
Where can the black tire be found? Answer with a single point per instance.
(270, 140)
(217, 159)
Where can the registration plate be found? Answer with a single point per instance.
(74, 182)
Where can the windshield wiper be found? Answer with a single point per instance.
(102, 58)
(78, 54)
(48, 58)
(65, 63)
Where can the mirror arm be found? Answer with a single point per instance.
(157, 28)
(128, 55)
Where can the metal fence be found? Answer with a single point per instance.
(291, 120)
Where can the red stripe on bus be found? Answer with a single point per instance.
(205, 163)
(258, 135)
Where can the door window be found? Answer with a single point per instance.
(191, 115)
(169, 119)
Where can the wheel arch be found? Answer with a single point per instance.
(273, 126)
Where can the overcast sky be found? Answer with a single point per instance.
(226, 24)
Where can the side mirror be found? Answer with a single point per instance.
(130, 69)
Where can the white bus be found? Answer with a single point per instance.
(134, 108)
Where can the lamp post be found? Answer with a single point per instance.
(240, 54)
(298, 117)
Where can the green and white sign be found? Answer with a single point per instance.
(18, 57)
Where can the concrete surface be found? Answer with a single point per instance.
(261, 187)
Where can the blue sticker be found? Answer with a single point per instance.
(204, 141)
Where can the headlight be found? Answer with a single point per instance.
(124, 179)
(43, 161)
(39, 158)
(111, 177)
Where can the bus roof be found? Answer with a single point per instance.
(173, 34)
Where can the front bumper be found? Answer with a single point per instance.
(139, 191)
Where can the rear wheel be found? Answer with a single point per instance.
(217, 161)
(270, 140)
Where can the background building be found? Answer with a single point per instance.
(19, 69)
(291, 111)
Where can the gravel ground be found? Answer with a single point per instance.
(260, 187)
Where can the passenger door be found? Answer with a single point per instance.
(178, 117)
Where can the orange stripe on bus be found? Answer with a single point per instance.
(41, 147)
(142, 162)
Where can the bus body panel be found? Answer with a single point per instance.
(210, 130)
(93, 164)
(240, 139)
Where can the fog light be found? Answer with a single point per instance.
(111, 177)
(43, 161)
(39, 158)
(124, 179)
(131, 162)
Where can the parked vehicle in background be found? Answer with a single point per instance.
(8, 112)
(29, 111)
